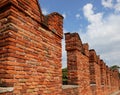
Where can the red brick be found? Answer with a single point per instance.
(87, 70)
(27, 48)
(30, 55)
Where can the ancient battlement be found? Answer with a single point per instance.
(73, 42)
(54, 22)
(30, 55)
(28, 7)
(88, 70)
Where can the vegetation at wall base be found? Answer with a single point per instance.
(64, 76)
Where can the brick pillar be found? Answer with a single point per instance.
(78, 63)
(108, 79)
(95, 72)
(103, 76)
(116, 78)
(93, 61)
(73, 45)
(30, 51)
(98, 76)
(111, 81)
(86, 49)
(114, 84)
(54, 22)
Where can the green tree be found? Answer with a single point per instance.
(114, 67)
(64, 75)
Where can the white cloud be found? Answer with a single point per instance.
(103, 34)
(107, 3)
(64, 15)
(44, 11)
(78, 16)
(94, 19)
(113, 5)
(117, 6)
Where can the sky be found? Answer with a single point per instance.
(96, 21)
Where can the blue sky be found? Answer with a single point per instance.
(96, 21)
(72, 10)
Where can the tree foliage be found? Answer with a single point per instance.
(64, 75)
(115, 67)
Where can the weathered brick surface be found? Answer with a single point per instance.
(6, 90)
(87, 70)
(30, 51)
(70, 90)
(78, 63)
(7, 93)
(30, 55)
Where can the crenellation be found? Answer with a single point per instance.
(54, 22)
(73, 42)
(100, 75)
(30, 55)
(86, 49)
(93, 56)
(98, 60)
(81, 62)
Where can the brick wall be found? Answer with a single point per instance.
(87, 70)
(6, 90)
(78, 63)
(30, 49)
(7, 93)
(30, 55)
(94, 72)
